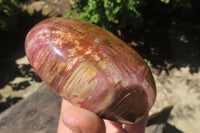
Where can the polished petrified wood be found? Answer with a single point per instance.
(91, 68)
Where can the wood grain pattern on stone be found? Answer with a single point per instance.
(91, 68)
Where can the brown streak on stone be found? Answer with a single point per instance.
(133, 94)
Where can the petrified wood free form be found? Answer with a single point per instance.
(91, 68)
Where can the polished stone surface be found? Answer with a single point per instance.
(91, 68)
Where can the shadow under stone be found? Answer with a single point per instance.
(9, 102)
(171, 129)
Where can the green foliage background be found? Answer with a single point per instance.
(107, 13)
(8, 9)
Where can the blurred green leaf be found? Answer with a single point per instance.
(68, 14)
(148, 62)
(165, 1)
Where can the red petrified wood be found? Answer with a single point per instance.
(91, 68)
